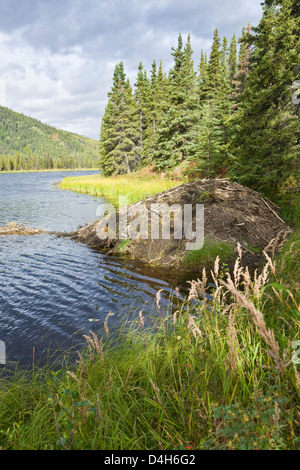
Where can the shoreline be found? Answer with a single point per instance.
(47, 171)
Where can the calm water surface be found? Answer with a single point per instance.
(50, 288)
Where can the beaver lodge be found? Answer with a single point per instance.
(233, 215)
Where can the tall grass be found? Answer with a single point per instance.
(208, 253)
(134, 187)
(205, 374)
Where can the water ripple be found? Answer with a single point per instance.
(50, 288)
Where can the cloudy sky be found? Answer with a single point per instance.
(57, 57)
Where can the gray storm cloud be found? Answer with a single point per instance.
(57, 58)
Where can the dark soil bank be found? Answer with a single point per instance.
(232, 214)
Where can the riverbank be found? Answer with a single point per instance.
(202, 375)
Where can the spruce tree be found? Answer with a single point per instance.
(119, 138)
(239, 79)
(211, 158)
(214, 78)
(232, 61)
(153, 77)
(225, 59)
(210, 143)
(157, 105)
(177, 133)
(202, 76)
(142, 98)
(266, 146)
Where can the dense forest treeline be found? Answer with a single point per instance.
(28, 144)
(236, 114)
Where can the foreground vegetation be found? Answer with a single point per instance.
(203, 374)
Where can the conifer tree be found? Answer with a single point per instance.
(214, 79)
(153, 77)
(119, 138)
(225, 59)
(157, 106)
(176, 139)
(266, 145)
(215, 111)
(239, 79)
(209, 143)
(223, 112)
(202, 76)
(142, 98)
(232, 59)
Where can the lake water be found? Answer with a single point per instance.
(50, 287)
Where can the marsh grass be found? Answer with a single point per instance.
(211, 249)
(204, 374)
(134, 187)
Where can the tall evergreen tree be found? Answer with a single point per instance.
(210, 143)
(119, 138)
(232, 59)
(214, 68)
(225, 58)
(157, 106)
(176, 140)
(142, 98)
(239, 79)
(202, 76)
(214, 89)
(267, 142)
(222, 107)
(153, 77)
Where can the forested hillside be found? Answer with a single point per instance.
(234, 114)
(28, 144)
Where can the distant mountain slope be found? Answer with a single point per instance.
(26, 143)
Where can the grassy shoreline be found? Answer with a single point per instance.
(135, 186)
(202, 375)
